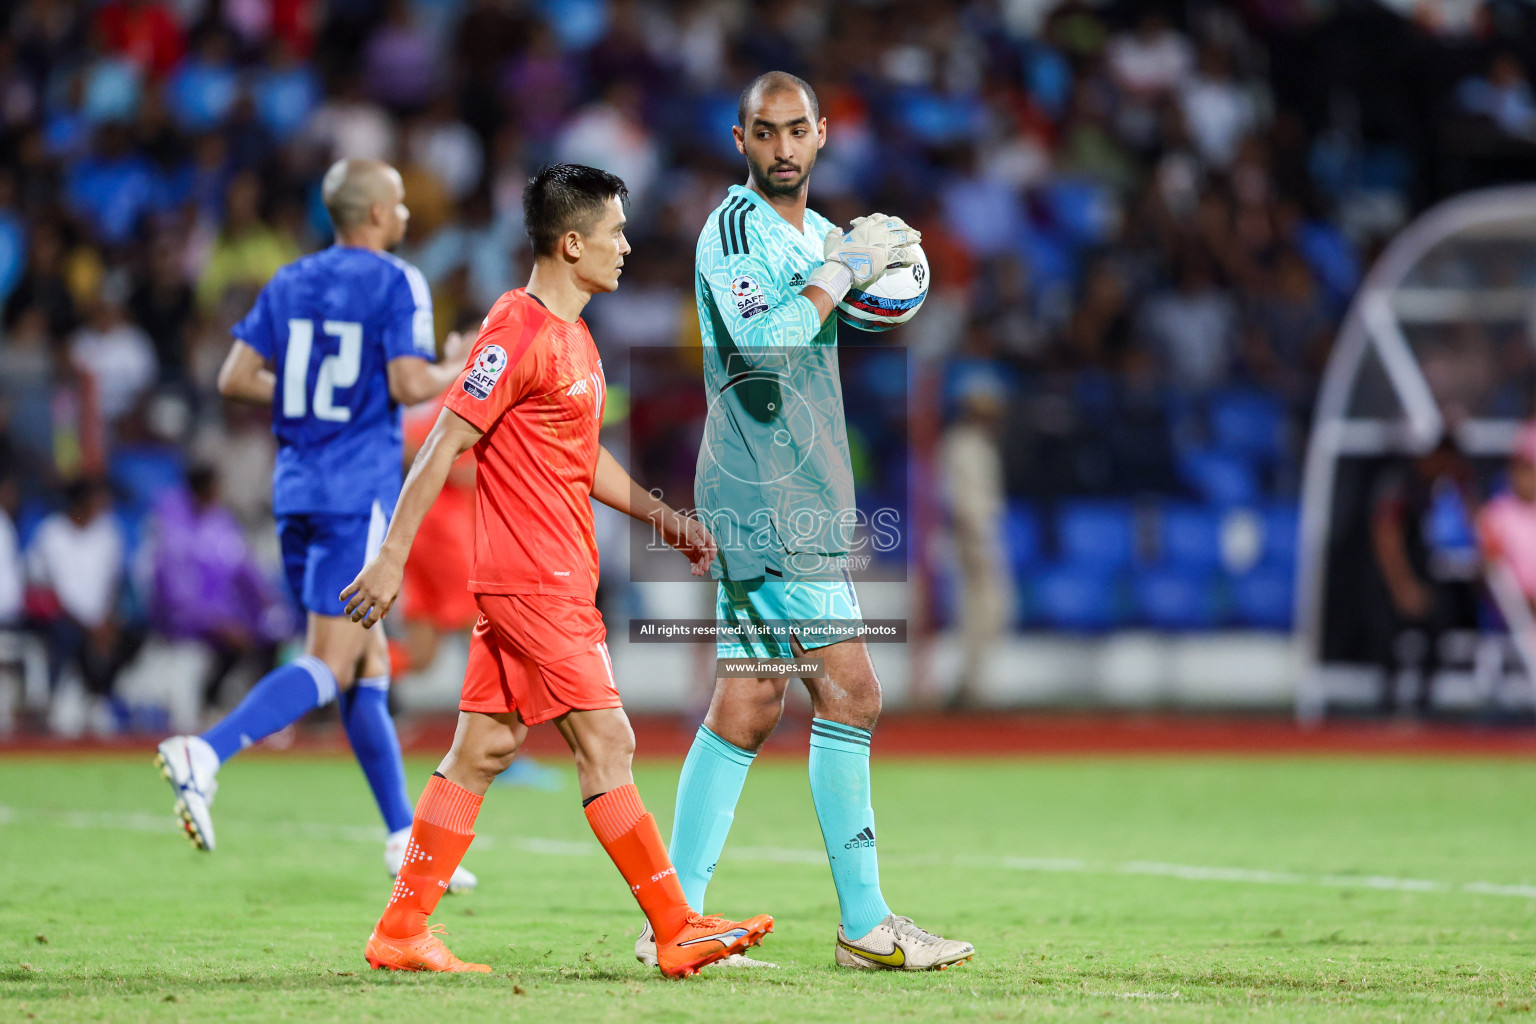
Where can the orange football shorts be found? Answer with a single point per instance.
(539, 656)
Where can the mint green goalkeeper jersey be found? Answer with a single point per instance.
(774, 480)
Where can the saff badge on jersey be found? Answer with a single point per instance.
(750, 300)
(489, 365)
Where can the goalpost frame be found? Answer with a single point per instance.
(1373, 324)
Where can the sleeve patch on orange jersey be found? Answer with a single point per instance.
(488, 368)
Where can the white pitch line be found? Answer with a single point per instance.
(141, 822)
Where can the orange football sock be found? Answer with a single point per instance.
(631, 837)
(441, 833)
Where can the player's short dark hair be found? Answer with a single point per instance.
(773, 81)
(566, 197)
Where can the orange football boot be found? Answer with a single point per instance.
(425, 952)
(705, 940)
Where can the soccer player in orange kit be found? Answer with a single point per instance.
(530, 402)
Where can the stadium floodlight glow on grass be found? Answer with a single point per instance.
(1376, 399)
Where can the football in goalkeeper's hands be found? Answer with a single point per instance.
(891, 300)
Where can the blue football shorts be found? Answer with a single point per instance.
(322, 553)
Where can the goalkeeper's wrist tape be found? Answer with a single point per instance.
(832, 277)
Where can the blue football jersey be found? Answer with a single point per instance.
(330, 323)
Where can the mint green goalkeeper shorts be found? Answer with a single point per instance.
(756, 618)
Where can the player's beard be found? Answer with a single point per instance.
(768, 186)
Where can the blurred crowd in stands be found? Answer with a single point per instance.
(1144, 219)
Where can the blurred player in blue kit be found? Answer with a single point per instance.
(336, 343)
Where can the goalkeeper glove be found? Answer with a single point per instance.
(871, 246)
(891, 232)
(874, 244)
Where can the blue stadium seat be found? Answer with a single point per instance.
(1022, 535)
(142, 475)
(1097, 534)
(1178, 598)
(1189, 536)
(1220, 477)
(1282, 533)
(1248, 423)
(1264, 598)
(1077, 597)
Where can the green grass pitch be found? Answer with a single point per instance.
(1207, 889)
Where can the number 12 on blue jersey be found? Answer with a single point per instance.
(336, 371)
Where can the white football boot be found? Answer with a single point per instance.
(896, 944)
(394, 858)
(189, 764)
(645, 952)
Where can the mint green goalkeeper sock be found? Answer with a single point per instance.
(707, 792)
(840, 790)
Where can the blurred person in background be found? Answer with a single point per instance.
(13, 238)
(144, 31)
(972, 469)
(1149, 64)
(285, 90)
(435, 600)
(12, 571)
(112, 186)
(336, 343)
(42, 285)
(162, 305)
(203, 88)
(247, 251)
(399, 66)
(1506, 525)
(26, 375)
(349, 124)
(1503, 95)
(1413, 515)
(1192, 326)
(75, 572)
(1288, 331)
(206, 585)
(115, 352)
(53, 422)
(12, 590)
(1218, 110)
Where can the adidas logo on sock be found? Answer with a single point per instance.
(863, 839)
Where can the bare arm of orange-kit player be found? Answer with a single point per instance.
(615, 488)
(375, 589)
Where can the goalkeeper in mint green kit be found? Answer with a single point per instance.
(775, 486)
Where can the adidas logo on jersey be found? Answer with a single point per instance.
(579, 388)
(864, 839)
(797, 280)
